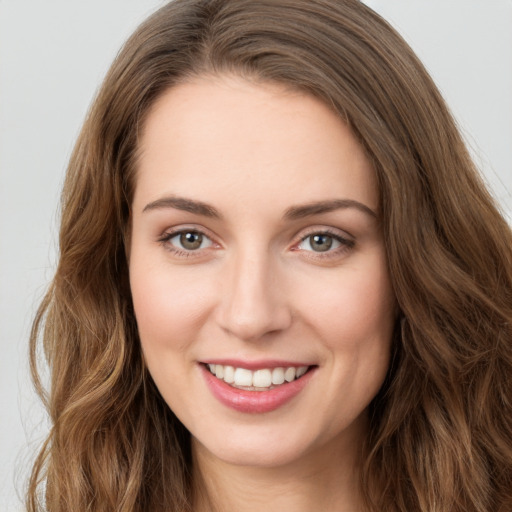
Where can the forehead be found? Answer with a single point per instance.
(215, 136)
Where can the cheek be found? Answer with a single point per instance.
(354, 309)
(169, 306)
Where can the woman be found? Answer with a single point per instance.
(281, 282)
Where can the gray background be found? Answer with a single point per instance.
(53, 55)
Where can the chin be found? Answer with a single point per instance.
(255, 454)
(268, 446)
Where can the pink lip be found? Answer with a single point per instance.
(254, 401)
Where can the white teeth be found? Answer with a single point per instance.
(219, 371)
(243, 377)
(263, 378)
(301, 370)
(277, 376)
(289, 374)
(229, 374)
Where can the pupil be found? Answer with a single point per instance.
(191, 241)
(321, 243)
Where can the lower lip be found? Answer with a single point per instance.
(255, 401)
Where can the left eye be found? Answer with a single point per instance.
(319, 242)
(190, 240)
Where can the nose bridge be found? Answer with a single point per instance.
(252, 304)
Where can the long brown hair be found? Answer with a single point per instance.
(441, 426)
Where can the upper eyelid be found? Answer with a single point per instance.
(344, 242)
(326, 230)
(171, 232)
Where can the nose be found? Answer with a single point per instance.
(253, 303)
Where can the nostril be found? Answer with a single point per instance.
(253, 305)
(253, 324)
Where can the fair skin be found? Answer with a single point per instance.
(255, 244)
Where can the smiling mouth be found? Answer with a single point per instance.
(263, 379)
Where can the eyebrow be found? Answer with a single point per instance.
(184, 204)
(292, 213)
(317, 208)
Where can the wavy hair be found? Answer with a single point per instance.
(441, 426)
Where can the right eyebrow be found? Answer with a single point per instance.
(184, 204)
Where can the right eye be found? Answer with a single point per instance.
(188, 240)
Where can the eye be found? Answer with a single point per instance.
(324, 242)
(319, 242)
(188, 240)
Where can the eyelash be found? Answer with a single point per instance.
(183, 253)
(346, 244)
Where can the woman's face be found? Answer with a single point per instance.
(256, 254)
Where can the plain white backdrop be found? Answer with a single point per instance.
(53, 56)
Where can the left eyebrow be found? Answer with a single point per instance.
(307, 210)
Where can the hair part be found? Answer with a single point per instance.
(442, 423)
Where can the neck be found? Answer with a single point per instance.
(326, 480)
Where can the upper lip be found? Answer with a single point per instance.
(256, 364)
